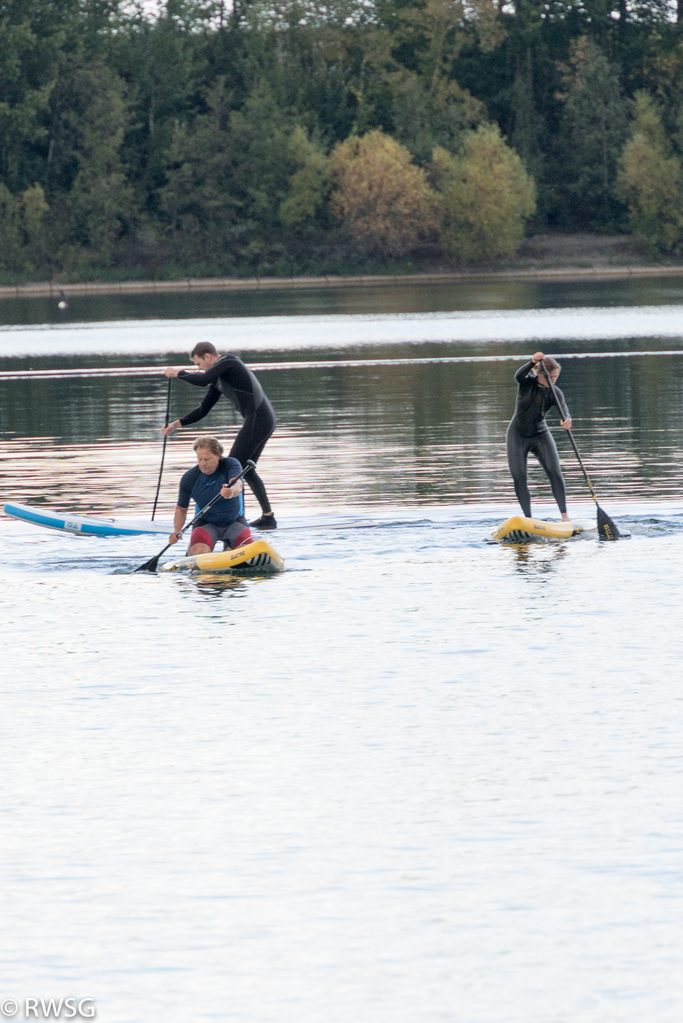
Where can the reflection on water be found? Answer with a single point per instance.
(403, 298)
(354, 792)
(219, 586)
(348, 333)
(386, 435)
(532, 562)
(414, 778)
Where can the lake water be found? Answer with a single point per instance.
(418, 777)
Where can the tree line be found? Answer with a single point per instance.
(204, 138)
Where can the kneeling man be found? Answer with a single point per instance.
(225, 520)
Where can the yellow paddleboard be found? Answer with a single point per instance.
(258, 556)
(519, 529)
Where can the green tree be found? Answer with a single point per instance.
(92, 203)
(308, 185)
(409, 86)
(235, 179)
(650, 180)
(311, 57)
(429, 114)
(10, 232)
(595, 126)
(195, 133)
(165, 63)
(24, 96)
(485, 196)
(23, 247)
(382, 199)
(528, 124)
(34, 210)
(663, 78)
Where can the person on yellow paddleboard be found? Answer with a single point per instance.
(528, 430)
(225, 520)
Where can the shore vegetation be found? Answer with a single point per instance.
(203, 138)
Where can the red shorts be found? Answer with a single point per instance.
(237, 534)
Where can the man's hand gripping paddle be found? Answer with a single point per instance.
(606, 528)
(151, 565)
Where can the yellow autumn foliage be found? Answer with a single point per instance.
(485, 195)
(379, 195)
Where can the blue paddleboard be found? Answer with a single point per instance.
(83, 524)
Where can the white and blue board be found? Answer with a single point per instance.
(84, 525)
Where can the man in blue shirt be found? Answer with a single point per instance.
(225, 520)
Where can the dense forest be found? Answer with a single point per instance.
(202, 138)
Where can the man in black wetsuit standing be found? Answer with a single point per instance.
(528, 430)
(227, 375)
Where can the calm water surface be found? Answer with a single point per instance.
(404, 298)
(418, 777)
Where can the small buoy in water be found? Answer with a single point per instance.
(62, 304)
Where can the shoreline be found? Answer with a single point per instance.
(47, 289)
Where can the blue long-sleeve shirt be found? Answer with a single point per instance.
(197, 486)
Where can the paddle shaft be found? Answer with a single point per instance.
(564, 414)
(163, 450)
(150, 566)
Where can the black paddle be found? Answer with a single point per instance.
(151, 565)
(606, 528)
(163, 450)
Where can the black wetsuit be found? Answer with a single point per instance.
(528, 432)
(230, 377)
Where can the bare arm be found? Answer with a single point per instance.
(179, 517)
(227, 492)
(171, 428)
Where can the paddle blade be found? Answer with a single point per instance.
(606, 528)
(149, 566)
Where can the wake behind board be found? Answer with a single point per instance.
(520, 529)
(258, 556)
(84, 525)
